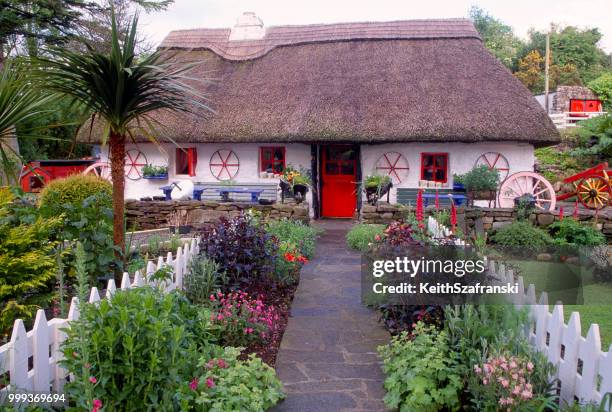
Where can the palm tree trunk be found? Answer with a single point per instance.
(117, 156)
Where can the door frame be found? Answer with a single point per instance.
(317, 156)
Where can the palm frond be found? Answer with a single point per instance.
(119, 87)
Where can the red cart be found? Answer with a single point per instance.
(593, 187)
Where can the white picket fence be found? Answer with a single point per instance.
(584, 371)
(43, 342)
(439, 231)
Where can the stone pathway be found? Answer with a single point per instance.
(327, 359)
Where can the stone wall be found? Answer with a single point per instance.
(158, 214)
(479, 220)
(563, 95)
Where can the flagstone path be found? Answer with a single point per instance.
(327, 359)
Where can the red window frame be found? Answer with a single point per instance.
(188, 155)
(433, 166)
(264, 164)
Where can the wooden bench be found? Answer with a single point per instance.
(407, 196)
(240, 192)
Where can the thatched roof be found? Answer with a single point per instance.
(422, 80)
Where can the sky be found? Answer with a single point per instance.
(520, 14)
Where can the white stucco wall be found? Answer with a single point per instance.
(298, 155)
(461, 158)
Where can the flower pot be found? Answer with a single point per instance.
(180, 230)
(156, 177)
(373, 194)
(299, 192)
(483, 195)
(458, 187)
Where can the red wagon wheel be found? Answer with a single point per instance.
(495, 160)
(594, 192)
(224, 164)
(394, 165)
(135, 160)
(527, 183)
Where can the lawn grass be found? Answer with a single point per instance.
(595, 296)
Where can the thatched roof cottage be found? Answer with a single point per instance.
(419, 100)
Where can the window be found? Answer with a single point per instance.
(186, 161)
(272, 159)
(434, 167)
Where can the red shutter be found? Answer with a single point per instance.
(192, 160)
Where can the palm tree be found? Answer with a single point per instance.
(122, 91)
(19, 103)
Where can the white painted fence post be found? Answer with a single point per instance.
(588, 353)
(567, 366)
(40, 353)
(18, 356)
(178, 268)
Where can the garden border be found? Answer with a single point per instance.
(43, 342)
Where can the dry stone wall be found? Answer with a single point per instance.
(479, 220)
(158, 214)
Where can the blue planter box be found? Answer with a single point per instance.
(158, 177)
(459, 187)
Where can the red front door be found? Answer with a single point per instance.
(339, 177)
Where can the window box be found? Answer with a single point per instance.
(157, 177)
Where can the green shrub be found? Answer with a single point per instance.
(133, 351)
(480, 178)
(362, 235)
(229, 384)
(421, 371)
(521, 234)
(73, 190)
(602, 86)
(295, 232)
(203, 278)
(572, 232)
(27, 270)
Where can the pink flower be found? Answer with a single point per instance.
(97, 404)
(377, 238)
(221, 363)
(212, 298)
(526, 394)
(92, 379)
(88, 366)
(477, 369)
(517, 390)
(529, 366)
(485, 381)
(193, 385)
(210, 364)
(504, 383)
(210, 382)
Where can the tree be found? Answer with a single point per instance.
(530, 71)
(571, 46)
(602, 87)
(20, 103)
(123, 93)
(498, 37)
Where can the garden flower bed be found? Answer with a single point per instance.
(488, 357)
(200, 326)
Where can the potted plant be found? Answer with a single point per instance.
(481, 183)
(178, 223)
(376, 186)
(296, 182)
(458, 183)
(154, 172)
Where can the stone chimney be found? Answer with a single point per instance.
(248, 27)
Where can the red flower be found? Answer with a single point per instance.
(289, 257)
(210, 383)
(92, 379)
(302, 259)
(193, 385)
(97, 404)
(221, 363)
